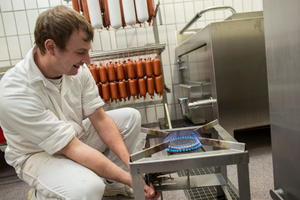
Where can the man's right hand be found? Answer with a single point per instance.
(150, 193)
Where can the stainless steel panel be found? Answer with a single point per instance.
(282, 38)
(230, 55)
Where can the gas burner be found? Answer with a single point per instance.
(183, 141)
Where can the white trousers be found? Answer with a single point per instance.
(58, 177)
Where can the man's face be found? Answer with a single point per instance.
(75, 54)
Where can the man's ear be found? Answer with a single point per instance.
(50, 46)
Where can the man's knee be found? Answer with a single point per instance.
(91, 189)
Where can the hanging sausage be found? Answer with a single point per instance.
(94, 72)
(120, 71)
(122, 14)
(133, 89)
(157, 67)
(102, 73)
(130, 70)
(86, 10)
(75, 5)
(140, 68)
(141, 10)
(129, 12)
(106, 19)
(111, 72)
(114, 91)
(95, 13)
(105, 93)
(150, 87)
(159, 85)
(142, 87)
(114, 13)
(122, 89)
(150, 6)
(149, 68)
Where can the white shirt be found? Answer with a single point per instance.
(30, 115)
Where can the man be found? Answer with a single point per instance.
(43, 101)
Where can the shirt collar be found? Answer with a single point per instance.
(34, 73)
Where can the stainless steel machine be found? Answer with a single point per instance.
(223, 74)
(282, 50)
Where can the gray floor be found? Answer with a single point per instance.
(258, 143)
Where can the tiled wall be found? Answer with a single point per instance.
(17, 21)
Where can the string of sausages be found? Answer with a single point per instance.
(127, 79)
(115, 13)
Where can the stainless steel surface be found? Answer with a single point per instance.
(230, 56)
(144, 163)
(199, 15)
(277, 194)
(282, 30)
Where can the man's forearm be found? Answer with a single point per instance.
(96, 161)
(110, 135)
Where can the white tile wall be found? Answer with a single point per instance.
(17, 21)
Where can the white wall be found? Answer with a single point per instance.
(17, 21)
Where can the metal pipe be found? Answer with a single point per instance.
(199, 14)
(185, 105)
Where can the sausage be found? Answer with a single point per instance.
(125, 69)
(149, 68)
(94, 73)
(95, 13)
(150, 10)
(102, 73)
(141, 10)
(75, 5)
(142, 87)
(122, 89)
(130, 70)
(156, 67)
(86, 10)
(127, 90)
(120, 71)
(122, 14)
(132, 88)
(114, 13)
(150, 87)
(111, 72)
(105, 92)
(106, 19)
(140, 68)
(159, 85)
(114, 91)
(129, 12)
(100, 90)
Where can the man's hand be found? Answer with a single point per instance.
(150, 193)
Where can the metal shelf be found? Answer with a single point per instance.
(128, 52)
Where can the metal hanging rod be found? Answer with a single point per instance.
(129, 52)
(199, 14)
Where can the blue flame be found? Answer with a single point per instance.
(185, 135)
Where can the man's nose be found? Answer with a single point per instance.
(87, 59)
